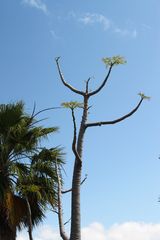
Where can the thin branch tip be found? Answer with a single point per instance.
(102, 84)
(143, 96)
(89, 79)
(63, 80)
(57, 59)
(67, 221)
(85, 178)
(70, 190)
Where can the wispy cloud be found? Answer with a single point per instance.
(90, 19)
(38, 4)
(126, 32)
(96, 231)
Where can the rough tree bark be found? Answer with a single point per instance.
(77, 145)
(7, 232)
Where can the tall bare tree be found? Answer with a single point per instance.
(78, 139)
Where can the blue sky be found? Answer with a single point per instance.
(121, 161)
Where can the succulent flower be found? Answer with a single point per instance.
(116, 60)
(72, 105)
(142, 95)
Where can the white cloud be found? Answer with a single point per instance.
(96, 231)
(89, 19)
(134, 230)
(47, 233)
(44, 233)
(22, 236)
(126, 32)
(38, 4)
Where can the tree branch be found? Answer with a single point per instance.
(75, 139)
(43, 110)
(116, 120)
(87, 84)
(30, 123)
(63, 80)
(85, 178)
(52, 210)
(70, 190)
(103, 83)
(60, 212)
(67, 221)
(66, 191)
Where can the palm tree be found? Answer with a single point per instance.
(24, 169)
(38, 186)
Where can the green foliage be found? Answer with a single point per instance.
(18, 132)
(142, 95)
(115, 60)
(72, 105)
(10, 115)
(30, 188)
(18, 169)
(26, 170)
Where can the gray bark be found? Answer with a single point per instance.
(60, 209)
(76, 182)
(78, 149)
(29, 220)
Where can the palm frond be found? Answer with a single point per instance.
(33, 177)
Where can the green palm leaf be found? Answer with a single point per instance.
(25, 171)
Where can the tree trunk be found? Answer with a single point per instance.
(6, 232)
(76, 182)
(77, 150)
(76, 216)
(60, 210)
(29, 220)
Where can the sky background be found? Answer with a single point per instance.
(120, 197)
